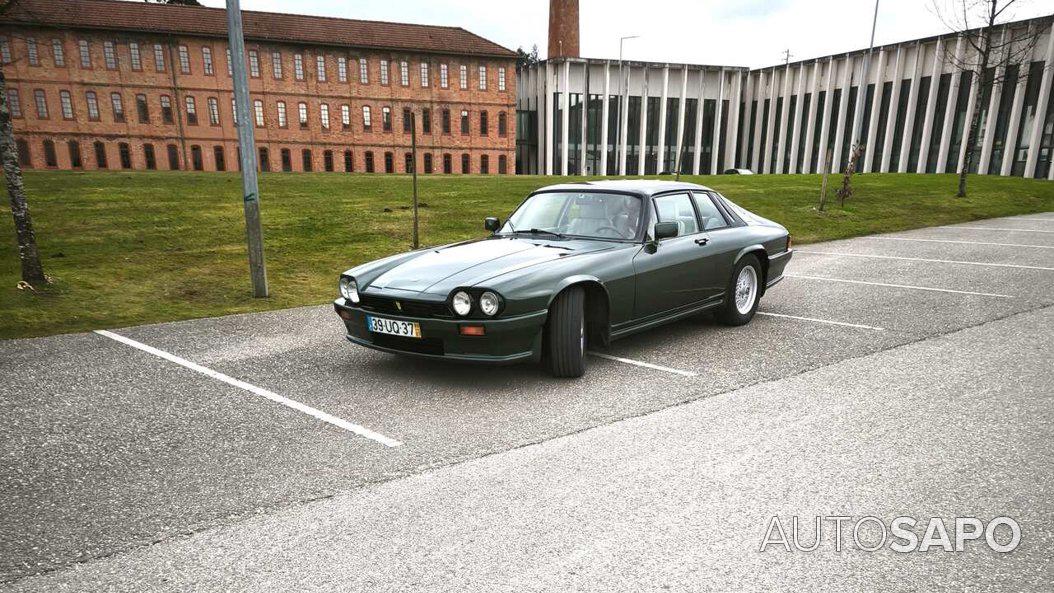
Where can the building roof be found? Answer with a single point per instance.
(174, 19)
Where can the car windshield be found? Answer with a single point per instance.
(580, 214)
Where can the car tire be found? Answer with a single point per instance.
(744, 292)
(566, 334)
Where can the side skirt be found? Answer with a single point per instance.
(640, 326)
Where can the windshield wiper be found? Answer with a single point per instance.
(542, 232)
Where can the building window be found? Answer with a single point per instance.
(192, 111)
(230, 63)
(234, 111)
(424, 74)
(74, 148)
(125, 152)
(426, 120)
(135, 55)
(57, 53)
(173, 157)
(448, 164)
(503, 124)
(301, 109)
(5, 50)
(93, 105)
(482, 78)
(345, 116)
(276, 64)
(66, 103)
(323, 115)
(14, 103)
(287, 160)
(369, 161)
(408, 163)
(159, 58)
(428, 162)
(218, 156)
(483, 127)
(109, 55)
(384, 69)
(85, 53)
(444, 76)
(118, 107)
(25, 159)
(149, 157)
(320, 65)
(404, 73)
(349, 162)
(298, 66)
(463, 73)
(258, 112)
(501, 78)
(196, 161)
(50, 158)
(213, 106)
(142, 108)
(366, 124)
(445, 117)
(166, 109)
(503, 164)
(184, 59)
(100, 155)
(254, 63)
(407, 120)
(282, 121)
(42, 103)
(389, 162)
(265, 159)
(364, 71)
(305, 160)
(484, 164)
(465, 164)
(327, 160)
(206, 60)
(32, 52)
(342, 69)
(386, 119)
(464, 122)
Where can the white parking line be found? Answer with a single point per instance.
(827, 321)
(908, 286)
(940, 261)
(989, 228)
(285, 401)
(646, 365)
(962, 242)
(1051, 219)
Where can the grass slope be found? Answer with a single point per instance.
(127, 248)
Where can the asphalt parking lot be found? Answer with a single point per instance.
(121, 465)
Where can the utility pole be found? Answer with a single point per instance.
(413, 165)
(858, 114)
(247, 142)
(787, 55)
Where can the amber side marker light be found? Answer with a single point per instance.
(789, 242)
(471, 330)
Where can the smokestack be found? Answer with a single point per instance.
(563, 29)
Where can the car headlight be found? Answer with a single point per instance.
(462, 303)
(489, 303)
(349, 289)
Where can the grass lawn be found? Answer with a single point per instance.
(126, 248)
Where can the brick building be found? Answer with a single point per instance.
(107, 84)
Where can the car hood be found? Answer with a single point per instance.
(443, 269)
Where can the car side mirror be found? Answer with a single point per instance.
(492, 223)
(665, 230)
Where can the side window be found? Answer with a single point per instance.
(708, 212)
(677, 208)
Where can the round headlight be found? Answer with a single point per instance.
(489, 303)
(462, 303)
(349, 289)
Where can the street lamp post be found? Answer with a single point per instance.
(623, 87)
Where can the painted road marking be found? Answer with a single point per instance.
(1051, 219)
(962, 242)
(908, 286)
(842, 323)
(285, 401)
(940, 261)
(646, 365)
(989, 228)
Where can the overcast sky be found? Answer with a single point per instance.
(730, 32)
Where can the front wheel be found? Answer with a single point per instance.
(741, 301)
(567, 334)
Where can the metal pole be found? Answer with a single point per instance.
(861, 97)
(413, 165)
(250, 189)
(623, 86)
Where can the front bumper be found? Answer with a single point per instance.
(509, 340)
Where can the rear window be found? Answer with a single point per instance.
(743, 214)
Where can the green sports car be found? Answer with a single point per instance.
(575, 264)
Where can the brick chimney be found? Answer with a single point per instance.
(563, 29)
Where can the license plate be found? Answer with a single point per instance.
(393, 327)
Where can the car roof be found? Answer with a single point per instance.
(637, 186)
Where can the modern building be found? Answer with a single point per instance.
(106, 84)
(600, 116)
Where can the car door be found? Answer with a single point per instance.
(670, 271)
(723, 241)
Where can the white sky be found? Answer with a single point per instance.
(730, 32)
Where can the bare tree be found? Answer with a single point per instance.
(992, 48)
(32, 270)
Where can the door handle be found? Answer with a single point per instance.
(702, 240)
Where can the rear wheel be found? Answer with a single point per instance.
(567, 333)
(743, 293)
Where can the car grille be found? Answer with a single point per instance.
(418, 345)
(405, 308)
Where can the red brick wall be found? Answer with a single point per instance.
(173, 83)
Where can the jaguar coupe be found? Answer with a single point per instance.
(575, 265)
